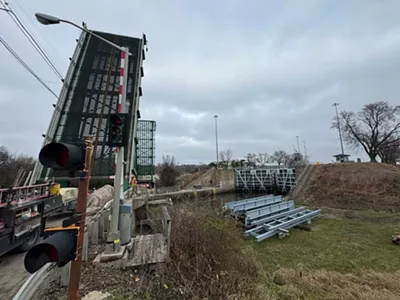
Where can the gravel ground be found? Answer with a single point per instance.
(12, 269)
(117, 282)
(12, 274)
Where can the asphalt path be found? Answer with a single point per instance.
(12, 270)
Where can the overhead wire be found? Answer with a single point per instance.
(34, 24)
(21, 61)
(8, 8)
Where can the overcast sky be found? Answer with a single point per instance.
(271, 70)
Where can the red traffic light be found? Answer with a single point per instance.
(59, 246)
(116, 120)
(62, 156)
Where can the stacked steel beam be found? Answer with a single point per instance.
(269, 215)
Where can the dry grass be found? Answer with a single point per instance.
(209, 260)
(339, 259)
(354, 186)
(323, 284)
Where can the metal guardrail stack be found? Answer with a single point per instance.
(270, 215)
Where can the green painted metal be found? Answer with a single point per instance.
(145, 149)
(93, 92)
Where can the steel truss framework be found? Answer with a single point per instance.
(145, 153)
(269, 180)
(90, 94)
(269, 215)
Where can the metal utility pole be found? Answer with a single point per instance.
(216, 137)
(305, 149)
(298, 144)
(113, 239)
(338, 122)
(83, 188)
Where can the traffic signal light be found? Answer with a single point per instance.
(62, 156)
(118, 130)
(59, 245)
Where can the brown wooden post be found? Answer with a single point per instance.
(83, 188)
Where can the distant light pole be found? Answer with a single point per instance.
(338, 122)
(305, 149)
(113, 239)
(216, 137)
(298, 144)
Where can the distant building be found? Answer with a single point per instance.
(341, 158)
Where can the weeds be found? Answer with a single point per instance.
(209, 259)
(354, 186)
(323, 284)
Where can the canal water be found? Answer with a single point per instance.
(217, 201)
(229, 197)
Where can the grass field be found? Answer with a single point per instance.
(338, 259)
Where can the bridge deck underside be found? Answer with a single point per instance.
(93, 95)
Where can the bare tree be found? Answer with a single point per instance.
(294, 160)
(228, 156)
(263, 158)
(11, 164)
(280, 157)
(167, 171)
(222, 157)
(225, 157)
(371, 128)
(251, 159)
(390, 152)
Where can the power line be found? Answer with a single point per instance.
(30, 38)
(20, 60)
(34, 24)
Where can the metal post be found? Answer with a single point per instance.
(73, 288)
(113, 239)
(298, 145)
(124, 108)
(216, 137)
(340, 132)
(305, 149)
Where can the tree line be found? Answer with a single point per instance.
(10, 164)
(280, 157)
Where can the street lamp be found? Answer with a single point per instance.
(113, 239)
(298, 145)
(338, 122)
(51, 20)
(216, 137)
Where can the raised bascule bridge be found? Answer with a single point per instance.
(90, 94)
(88, 97)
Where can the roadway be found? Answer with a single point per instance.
(12, 270)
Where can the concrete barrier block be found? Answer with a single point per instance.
(94, 238)
(106, 221)
(101, 226)
(65, 273)
(85, 247)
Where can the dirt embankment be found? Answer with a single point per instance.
(358, 186)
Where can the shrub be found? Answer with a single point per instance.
(209, 259)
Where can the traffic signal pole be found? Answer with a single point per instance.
(113, 239)
(73, 288)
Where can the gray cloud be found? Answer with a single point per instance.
(270, 69)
